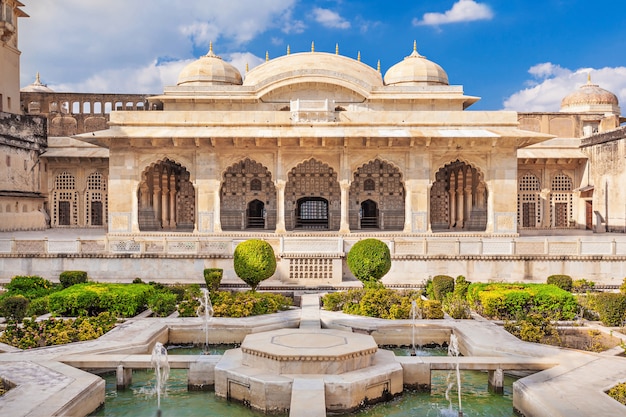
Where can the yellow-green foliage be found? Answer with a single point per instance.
(564, 282)
(382, 303)
(610, 307)
(618, 392)
(510, 301)
(249, 303)
(32, 334)
(123, 300)
(69, 278)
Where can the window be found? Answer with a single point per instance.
(255, 185)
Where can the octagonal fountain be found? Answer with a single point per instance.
(348, 370)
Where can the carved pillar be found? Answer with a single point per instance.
(452, 199)
(460, 202)
(344, 226)
(164, 201)
(173, 201)
(280, 206)
(217, 221)
(156, 196)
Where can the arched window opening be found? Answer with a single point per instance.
(369, 185)
(255, 215)
(528, 201)
(369, 215)
(255, 185)
(166, 198)
(458, 199)
(561, 202)
(312, 213)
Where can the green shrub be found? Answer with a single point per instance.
(39, 306)
(254, 261)
(162, 303)
(30, 287)
(442, 285)
(369, 260)
(14, 307)
(249, 303)
(69, 278)
(611, 307)
(564, 282)
(622, 288)
(511, 301)
(213, 278)
(618, 392)
(381, 303)
(33, 334)
(122, 300)
(533, 327)
(582, 285)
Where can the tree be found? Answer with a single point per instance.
(369, 260)
(254, 261)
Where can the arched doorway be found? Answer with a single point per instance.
(312, 192)
(380, 184)
(255, 215)
(247, 197)
(166, 198)
(64, 200)
(528, 201)
(312, 213)
(458, 198)
(369, 215)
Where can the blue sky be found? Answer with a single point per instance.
(523, 55)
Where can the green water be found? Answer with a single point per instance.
(140, 399)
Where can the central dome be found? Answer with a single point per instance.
(590, 97)
(415, 69)
(209, 69)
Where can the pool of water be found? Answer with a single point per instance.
(141, 400)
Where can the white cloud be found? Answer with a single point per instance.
(77, 44)
(461, 11)
(330, 19)
(551, 83)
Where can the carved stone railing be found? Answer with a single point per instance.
(330, 246)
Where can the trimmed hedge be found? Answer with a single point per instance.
(33, 334)
(611, 307)
(213, 278)
(442, 285)
(564, 282)
(369, 260)
(509, 301)
(30, 286)
(254, 261)
(382, 303)
(69, 278)
(122, 300)
(249, 303)
(14, 307)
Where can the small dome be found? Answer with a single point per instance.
(37, 87)
(590, 97)
(209, 69)
(415, 69)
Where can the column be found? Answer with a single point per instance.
(164, 202)
(459, 200)
(173, 202)
(344, 226)
(452, 192)
(408, 206)
(280, 206)
(156, 196)
(468, 194)
(217, 220)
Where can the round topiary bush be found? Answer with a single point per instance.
(369, 260)
(254, 261)
(442, 285)
(564, 282)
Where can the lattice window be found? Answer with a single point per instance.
(95, 200)
(65, 181)
(561, 182)
(561, 201)
(529, 201)
(369, 185)
(310, 268)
